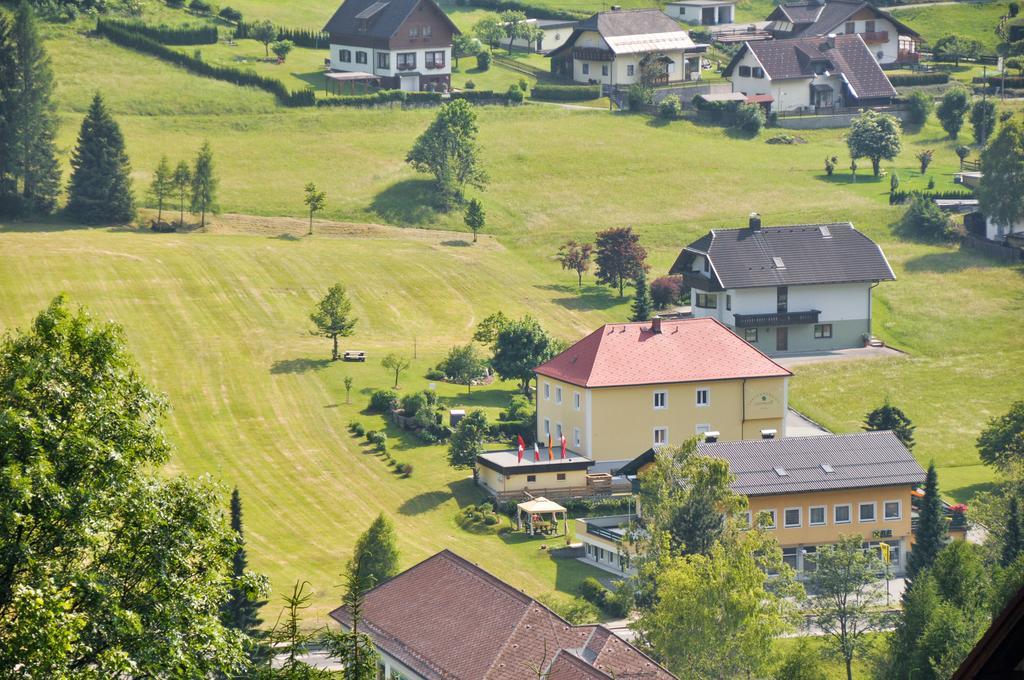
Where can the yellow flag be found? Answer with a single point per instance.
(885, 552)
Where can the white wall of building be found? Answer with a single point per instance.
(884, 53)
(994, 232)
(371, 64)
(693, 14)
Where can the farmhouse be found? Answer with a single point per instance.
(622, 47)
(703, 12)
(628, 386)
(401, 44)
(808, 491)
(811, 73)
(448, 619)
(805, 287)
(889, 40)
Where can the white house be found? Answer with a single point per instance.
(399, 44)
(797, 288)
(890, 41)
(810, 73)
(614, 48)
(553, 33)
(703, 12)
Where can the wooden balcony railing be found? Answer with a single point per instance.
(592, 54)
(875, 37)
(776, 319)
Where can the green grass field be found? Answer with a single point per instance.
(218, 320)
(973, 20)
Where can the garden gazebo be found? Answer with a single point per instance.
(535, 510)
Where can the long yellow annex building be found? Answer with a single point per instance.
(629, 386)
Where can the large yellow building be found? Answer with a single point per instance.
(630, 386)
(812, 490)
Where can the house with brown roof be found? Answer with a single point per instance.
(619, 47)
(399, 44)
(448, 619)
(889, 40)
(812, 73)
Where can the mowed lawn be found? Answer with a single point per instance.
(968, 19)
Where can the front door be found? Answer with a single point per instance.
(782, 339)
(410, 83)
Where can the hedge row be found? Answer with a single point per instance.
(899, 80)
(381, 97)
(565, 93)
(302, 37)
(137, 41)
(897, 197)
(481, 96)
(169, 35)
(531, 10)
(1014, 83)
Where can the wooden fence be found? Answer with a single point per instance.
(997, 251)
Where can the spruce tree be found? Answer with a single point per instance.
(931, 527)
(376, 552)
(8, 71)
(240, 611)
(1012, 537)
(204, 184)
(101, 184)
(31, 117)
(162, 186)
(889, 417)
(642, 301)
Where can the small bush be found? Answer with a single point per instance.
(435, 374)
(404, 469)
(515, 95)
(483, 60)
(523, 85)
(357, 429)
(230, 14)
(749, 118)
(666, 291)
(919, 107)
(490, 519)
(565, 93)
(383, 401)
(639, 97)
(382, 447)
(176, 4)
(593, 591)
(670, 108)
(926, 220)
(200, 6)
(575, 610)
(470, 85)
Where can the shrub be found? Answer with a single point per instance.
(230, 14)
(901, 80)
(639, 96)
(383, 401)
(176, 4)
(483, 60)
(575, 610)
(523, 85)
(670, 108)
(519, 407)
(377, 437)
(1014, 9)
(830, 165)
(490, 519)
(919, 107)
(382, 447)
(357, 429)
(200, 6)
(666, 291)
(565, 93)
(300, 36)
(470, 85)
(435, 374)
(412, 403)
(593, 591)
(749, 118)
(515, 95)
(926, 220)
(404, 469)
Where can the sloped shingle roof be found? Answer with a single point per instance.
(383, 17)
(448, 619)
(816, 18)
(630, 22)
(686, 350)
(746, 258)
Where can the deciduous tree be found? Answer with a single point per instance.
(204, 184)
(449, 151)
(397, 364)
(1001, 191)
(333, 318)
(264, 32)
(1002, 441)
(463, 365)
(315, 201)
(956, 47)
(101, 183)
(575, 257)
(282, 48)
(875, 136)
(952, 109)
(983, 120)
(889, 417)
(513, 24)
(475, 217)
(1013, 542)
(488, 31)
(468, 440)
(620, 257)
(162, 186)
(519, 347)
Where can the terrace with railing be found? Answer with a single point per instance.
(776, 319)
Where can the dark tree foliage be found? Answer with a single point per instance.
(1012, 541)
(983, 120)
(931, 527)
(889, 417)
(620, 257)
(241, 610)
(642, 301)
(101, 186)
(376, 553)
(1002, 442)
(519, 347)
(353, 648)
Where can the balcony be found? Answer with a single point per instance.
(777, 319)
(592, 54)
(875, 37)
(612, 528)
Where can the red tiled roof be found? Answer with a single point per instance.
(447, 619)
(686, 350)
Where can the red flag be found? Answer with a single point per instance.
(536, 453)
(563, 446)
(522, 446)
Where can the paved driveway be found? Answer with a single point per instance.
(855, 354)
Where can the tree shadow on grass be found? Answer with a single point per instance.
(467, 492)
(457, 243)
(409, 202)
(480, 397)
(587, 298)
(285, 366)
(424, 502)
(954, 261)
(967, 493)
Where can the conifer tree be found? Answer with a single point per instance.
(204, 184)
(101, 185)
(931, 527)
(182, 180)
(1012, 538)
(240, 611)
(162, 186)
(31, 118)
(353, 648)
(889, 417)
(642, 301)
(376, 553)
(8, 70)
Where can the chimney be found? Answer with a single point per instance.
(755, 221)
(768, 434)
(712, 436)
(656, 324)
(830, 41)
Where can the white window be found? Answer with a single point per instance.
(768, 519)
(586, 69)
(791, 517)
(604, 69)
(576, 400)
(703, 396)
(547, 426)
(558, 395)
(866, 512)
(630, 70)
(892, 510)
(660, 399)
(816, 515)
(576, 437)
(547, 391)
(703, 428)
(841, 514)
(660, 436)
(558, 434)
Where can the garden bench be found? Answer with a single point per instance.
(354, 355)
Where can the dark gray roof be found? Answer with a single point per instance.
(629, 22)
(382, 17)
(798, 58)
(816, 18)
(865, 459)
(809, 253)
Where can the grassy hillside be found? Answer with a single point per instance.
(972, 20)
